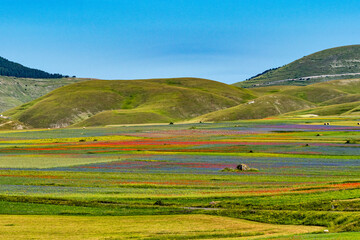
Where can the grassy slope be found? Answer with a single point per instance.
(124, 116)
(16, 91)
(261, 107)
(346, 103)
(351, 86)
(337, 109)
(261, 91)
(156, 100)
(338, 60)
(276, 100)
(314, 93)
(343, 99)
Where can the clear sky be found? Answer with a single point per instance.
(223, 40)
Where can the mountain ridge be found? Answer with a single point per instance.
(329, 64)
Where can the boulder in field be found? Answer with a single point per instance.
(243, 167)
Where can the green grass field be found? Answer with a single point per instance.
(329, 236)
(140, 227)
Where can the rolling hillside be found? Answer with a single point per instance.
(352, 108)
(329, 64)
(335, 97)
(17, 91)
(346, 104)
(262, 107)
(101, 102)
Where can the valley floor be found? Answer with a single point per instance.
(180, 181)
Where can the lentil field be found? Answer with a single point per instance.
(306, 173)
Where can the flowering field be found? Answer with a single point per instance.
(122, 170)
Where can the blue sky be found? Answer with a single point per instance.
(223, 40)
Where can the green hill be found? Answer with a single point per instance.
(17, 91)
(329, 98)
(343, 99)
(314, 93)
(8, 68)
(101, 102)
(347, 86)
(262, 107)
(352, 108)
(329, 64)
